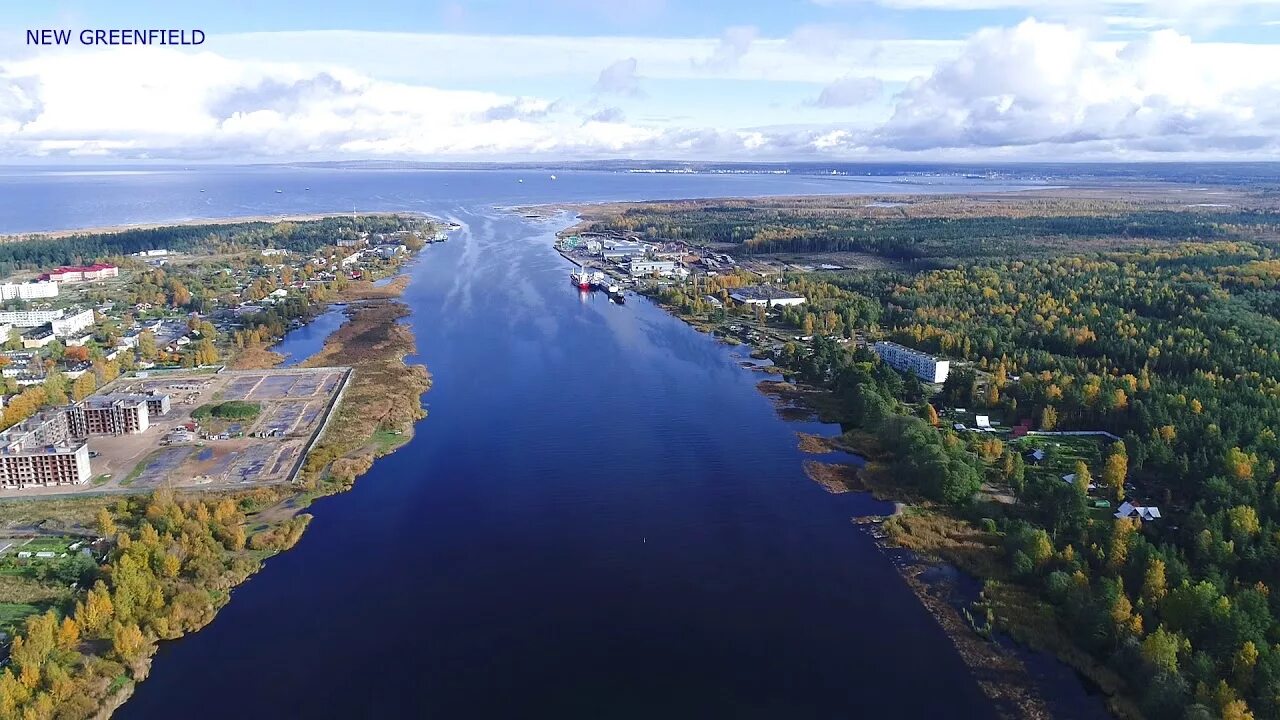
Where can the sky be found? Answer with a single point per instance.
(747, 80)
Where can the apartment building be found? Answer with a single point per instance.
(922, 365)
(28, 291)
(118, 414)
(41, 450)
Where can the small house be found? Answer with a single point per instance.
(1142, 512)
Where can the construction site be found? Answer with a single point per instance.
(231, 428)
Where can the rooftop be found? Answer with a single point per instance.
(907, 350)
(763, 292)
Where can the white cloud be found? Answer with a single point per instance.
(734, 43)
(619, 77)
(1043, 84)
(443, 59)
(849, 91)
(1034, 90)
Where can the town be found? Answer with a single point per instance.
(118, 374)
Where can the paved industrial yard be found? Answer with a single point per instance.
(223, 453)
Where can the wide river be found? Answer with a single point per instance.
(600, 518)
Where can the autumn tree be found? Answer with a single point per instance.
(1153, 582)
(1083, 478)
(1115, 470)
(1048, 418)
(84, 386)
(127, 641)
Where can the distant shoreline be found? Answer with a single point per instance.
(236, 220)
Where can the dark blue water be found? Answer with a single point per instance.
(600, 518)
(303, 342)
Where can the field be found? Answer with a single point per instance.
(261, 447)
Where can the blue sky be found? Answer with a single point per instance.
(519, 79)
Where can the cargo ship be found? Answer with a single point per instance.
(586, 279)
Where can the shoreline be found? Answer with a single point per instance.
(995, 667)
(377, 412)
(187, 222)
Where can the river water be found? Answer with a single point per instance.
(600, 518)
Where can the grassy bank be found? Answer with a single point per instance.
(169, 562)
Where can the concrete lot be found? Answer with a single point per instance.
(294, 403)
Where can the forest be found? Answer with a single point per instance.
(169, 564)
(930, 230)
(1173, 347)
(1176, 349)
(42, 252)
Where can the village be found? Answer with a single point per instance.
(114, 374)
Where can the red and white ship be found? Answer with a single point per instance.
(585, 279)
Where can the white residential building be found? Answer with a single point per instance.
(922, 365)
(29, 318)
(28, 291)
(72, 324)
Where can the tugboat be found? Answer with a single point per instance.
(615, 294)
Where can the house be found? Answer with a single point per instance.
(982, 421)
(387, 252)
(1037, 456)
(1142, 512)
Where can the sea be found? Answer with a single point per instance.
(600, 517)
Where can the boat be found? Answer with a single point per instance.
(553, 177)
(279, 191)
(615, 294)
(581, 278)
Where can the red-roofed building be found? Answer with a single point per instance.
(82, 273)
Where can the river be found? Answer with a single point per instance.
(600, 518)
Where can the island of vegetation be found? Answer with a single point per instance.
(89, 583)
(1103, 453)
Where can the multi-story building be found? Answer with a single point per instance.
(28, 291)
(49, 448)
(42, 451)
(72, 324)
(109, 415)
(922, 365)
(157, 404)
(82, 273)
(30, 318)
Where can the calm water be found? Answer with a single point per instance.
(303, 342)
(600, 518)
